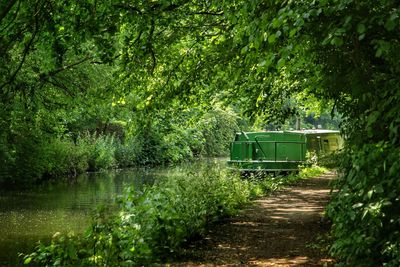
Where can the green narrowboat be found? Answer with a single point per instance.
(274, 151)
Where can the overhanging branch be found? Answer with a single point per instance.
(207, 13)
(150, 46)
(25, 52)
(7, 9)
(130, 8)
(56, 71)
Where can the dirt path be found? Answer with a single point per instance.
(278, 230)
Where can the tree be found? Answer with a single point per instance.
(256, 55)
(49, 70)
(343, 51)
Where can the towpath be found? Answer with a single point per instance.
(278, 230)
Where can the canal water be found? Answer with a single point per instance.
(27, 216)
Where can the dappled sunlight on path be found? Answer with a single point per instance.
(279, 230)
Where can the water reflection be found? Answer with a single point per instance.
(62, 206)
(66, 206)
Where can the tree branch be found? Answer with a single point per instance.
(25, 52)
(129, 8)
(178, 64)
(207, 13)
(150, 46)
(13, 19)
(58, 84)
(44, 76)
(7, 9)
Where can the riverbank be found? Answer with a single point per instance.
(154, 224)
(60, 206)
(277, 230)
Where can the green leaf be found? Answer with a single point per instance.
(276, 23)
(390, 24)
(372, 118)
(271, 38)
(327, 40)
(378, 52)
(72, 251)
(347, 20)
(357, 205)
(361, 28)
(337, 41)
(281, 63)
(292, 32)
(365, 212)
(27, 260)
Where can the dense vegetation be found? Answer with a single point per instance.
(165, 139)
(66, 65)
(152, 224)
(65, 108)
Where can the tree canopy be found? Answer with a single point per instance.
(256, 56)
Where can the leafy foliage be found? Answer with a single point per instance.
(154, 223)
(260, 57)
(151, 223)
(191, 135)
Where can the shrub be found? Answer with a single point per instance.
(64, 157)
(101, 151)
(218, 128)
(365, 208)
(6, 161)
(181, 144)
(126, 154)
(150, 141)
(30, 159)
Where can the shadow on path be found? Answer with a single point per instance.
(277, 230)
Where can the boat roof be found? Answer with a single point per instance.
(313, 131)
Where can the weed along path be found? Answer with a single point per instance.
(278, 230)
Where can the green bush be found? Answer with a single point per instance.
(152, 223)
(30, 158)
(64, 157)
(218, 128)
(101, 151)
(365, 208)
(182, 144)
(126, 154)
(6, 161)
(150, 141)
